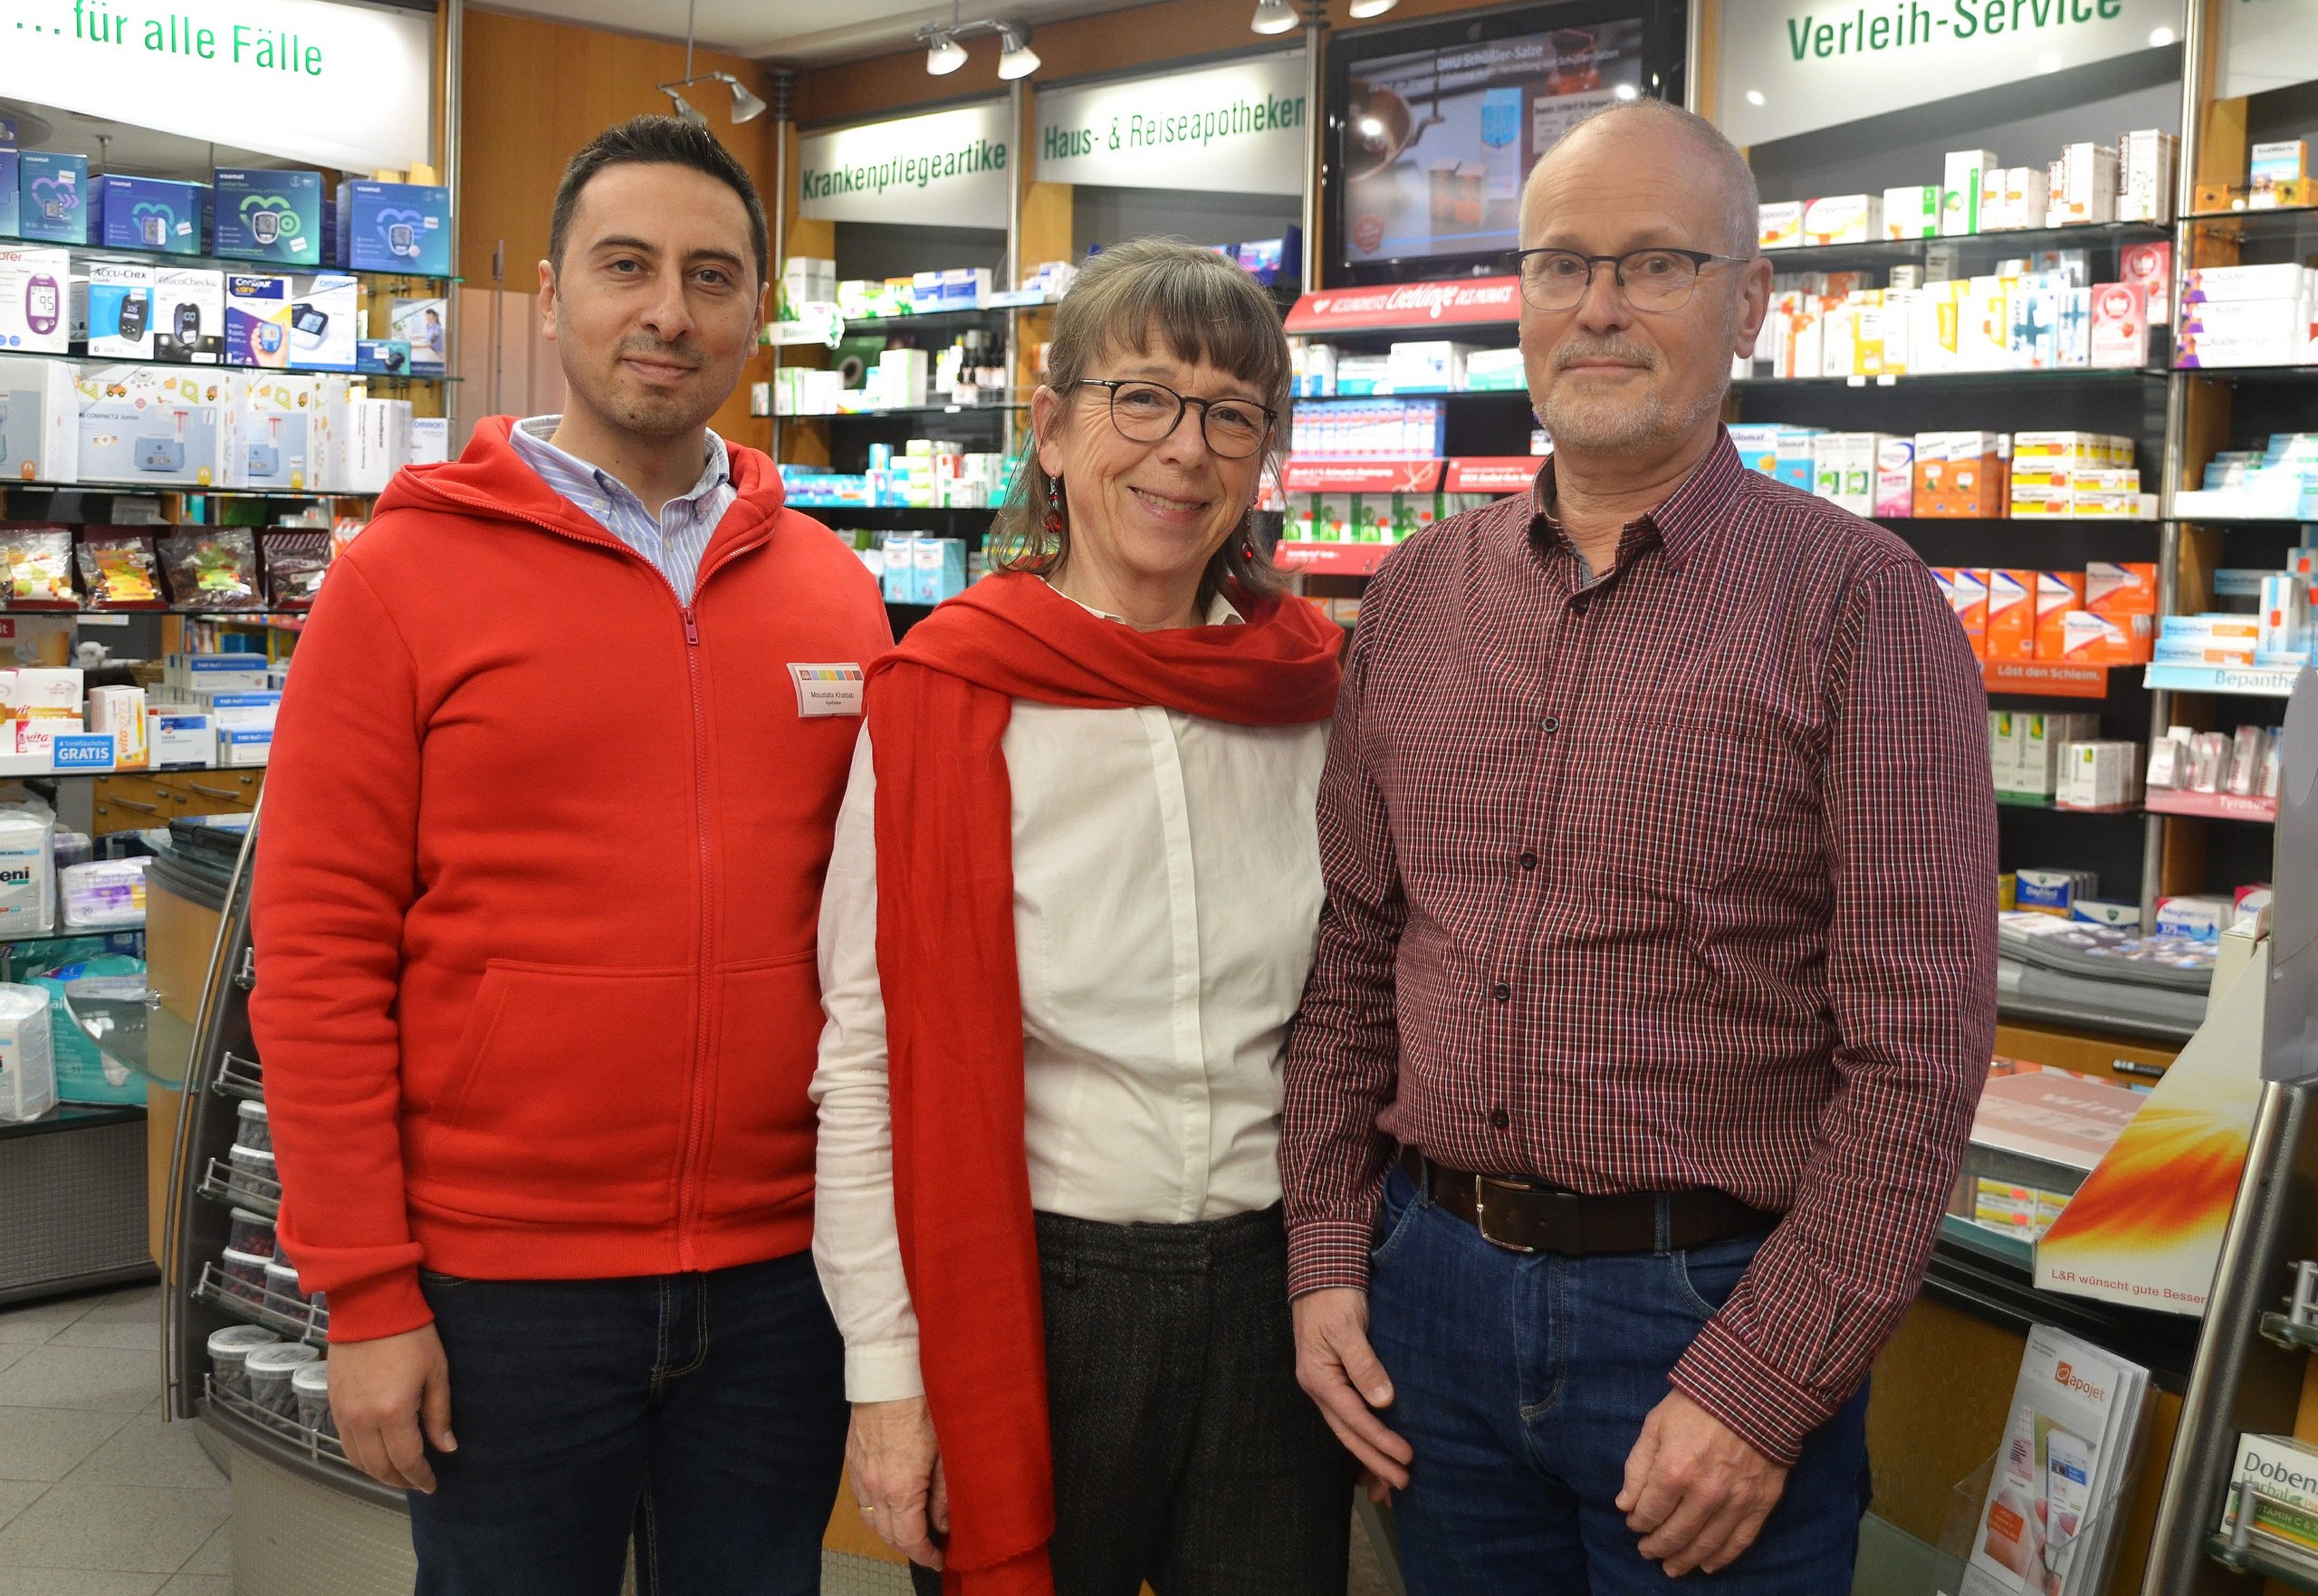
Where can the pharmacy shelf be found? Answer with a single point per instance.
(2242, 681)
(1836, 257)
(2017, 520)
(72, 1116)
(2258, 1559)
(1332, 560)
(2265, 222)
(2304, 371)
(1500, 395)
(65, 932)
(2033, 800)
(129, 771)
(2286, 1333)
(88, 360)
(2090, 375)
(984, 406)
(2212, 806)
(247, 616)
(2045, 679)
(82, 254)
(156, 490)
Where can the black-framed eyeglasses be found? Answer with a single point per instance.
(1652, 279)
(1148, 412)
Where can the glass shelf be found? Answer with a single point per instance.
(2057, 374)
(201, 366)
(251, 618)
(2271, 222)
(2304, 372)
(156, 490)
(1825, 257)
(2284, 1331)
(83, 253)
(982, 407)
(2258, 1559)
(62, 933)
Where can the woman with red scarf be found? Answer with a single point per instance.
(1067, 921)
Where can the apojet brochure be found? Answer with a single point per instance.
(2048, 1527)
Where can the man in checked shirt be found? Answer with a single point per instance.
(1657, 979)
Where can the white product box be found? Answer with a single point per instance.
(113, 307)
(275, 425)
(375, 444)
(28, 747)
(1896, 473)
(430, 440)
(2194, 915)
(1984, 325)
(27, 1055)
(2088, 185)
(1433, 366)
(2099, 775)
(40, 421)
(189, 315)
(2147, 158)
(1886, 330)
(1912, 212)
(179, 738)
(1777, 226)
(1959, 198)
(2119, 334)
(1843, 218)
(33, 692)
(118, 712)
(2033, 321)
(325, 321)
(2243, 332)
(215, 672)
(151, 425)
(1839, 340)
(2042, 741)
(244, 745)
(36, 301)
(2285, 280)
(2123, 916)
(240, 711)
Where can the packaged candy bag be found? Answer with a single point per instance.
(295, 562)
(214, 568)
(38, 563)
(120, 570)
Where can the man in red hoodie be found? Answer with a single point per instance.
(537, 881)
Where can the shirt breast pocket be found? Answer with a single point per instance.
(1703, 798)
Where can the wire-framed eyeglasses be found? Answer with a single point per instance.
(1656, 279)
(1148, 411)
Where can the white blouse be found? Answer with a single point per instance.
(1166, 892)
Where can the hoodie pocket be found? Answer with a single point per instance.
(567, 1102)
(761, 1123)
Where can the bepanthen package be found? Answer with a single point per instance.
(27, 1066)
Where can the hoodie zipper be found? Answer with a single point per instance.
(687, 1176)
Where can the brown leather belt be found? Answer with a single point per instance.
(1521, 1216)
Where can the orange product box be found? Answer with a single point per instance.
(2090, 639)
(2057, 593)
(1968, 595)
(2012, 615)
(2113, 590)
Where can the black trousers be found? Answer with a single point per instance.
(1184, 1452)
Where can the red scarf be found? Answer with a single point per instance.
(937, 709)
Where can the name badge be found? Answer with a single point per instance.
(827, 690)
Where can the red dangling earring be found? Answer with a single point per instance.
(1054, 510)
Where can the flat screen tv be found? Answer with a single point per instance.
(1434, 134)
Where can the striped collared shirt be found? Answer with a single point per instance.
(674, 540)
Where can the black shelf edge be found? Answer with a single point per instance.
(2034, 239)
(73, 1116)
(85, 252)
(1001, 408)
(160, 489)
(2038, 1011)
(2054, 374)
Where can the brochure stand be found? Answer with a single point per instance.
(2243, 1381)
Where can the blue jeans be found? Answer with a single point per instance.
(1522, 1381)
(705, 1413)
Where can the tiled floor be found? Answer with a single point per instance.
(98, 1497)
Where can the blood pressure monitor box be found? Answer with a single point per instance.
(268, 216)
(40, 426)
(395, 227)
(257, 320)
(113, 310)
(9, 203)
(149, 424)
(189, 315)
(36, 301)
(325, 322)
(151, 214)
(51, 197)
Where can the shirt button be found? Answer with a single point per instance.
(1528, 860)
(1501, 992)
(1577, 605)
(1498, 1118)
(1549, 725)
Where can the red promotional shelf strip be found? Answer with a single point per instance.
(2045, 679)
(1465, 302)
(2212, 806)
(1322, 474)
(1493, 473)
(1332, 559)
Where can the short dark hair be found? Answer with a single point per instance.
(646, 142)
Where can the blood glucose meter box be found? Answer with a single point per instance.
(189, 315)
(36, 301)
(268, 216)
(395, 227)
(257, 320)
(149, 424)
(113, 310)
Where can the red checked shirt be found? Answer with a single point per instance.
(1682, 878)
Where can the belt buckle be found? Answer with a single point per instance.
(1482, 1183)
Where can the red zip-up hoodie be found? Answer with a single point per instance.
(536, 891)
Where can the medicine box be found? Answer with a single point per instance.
(2285, 161)
(9, 199)
(267, 215)
(421, 324)
(2011, 614)
(151, 213)
(2099, 775)
(51, 197)
(2147, 160)
(396, 227)
(2195, 916)
(37, 692)
(118, 712)
(373, 445)
(1779, 224)
(2057, 593)
(1959, 198)
(1912, 212)
(40, 429)
(257, 320)
(325, 321)
(430, 440)
(149, 426)
(189, 315)
(113, 310)
(382, 357)
(244, 745)
(179, 738)
(36, 301)
(1843, 218)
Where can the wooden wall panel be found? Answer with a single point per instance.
(533, 93)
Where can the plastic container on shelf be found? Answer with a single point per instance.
(228, 1349)
(253, 1161)
(246, 1276)
(282, 1283)
(27, 1066)
(310, 1384)
(252, 1129)
(269, 1369)
(252, 1234)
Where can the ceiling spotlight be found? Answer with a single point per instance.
(746, 106)
(2160, 38)
(1016, 59)
(1361, 8)
(1625, 92)
(1754, 97)
(1273, 17)
(685, 109)
(2050, 62)
(944, 55)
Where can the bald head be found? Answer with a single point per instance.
(1658, 137)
